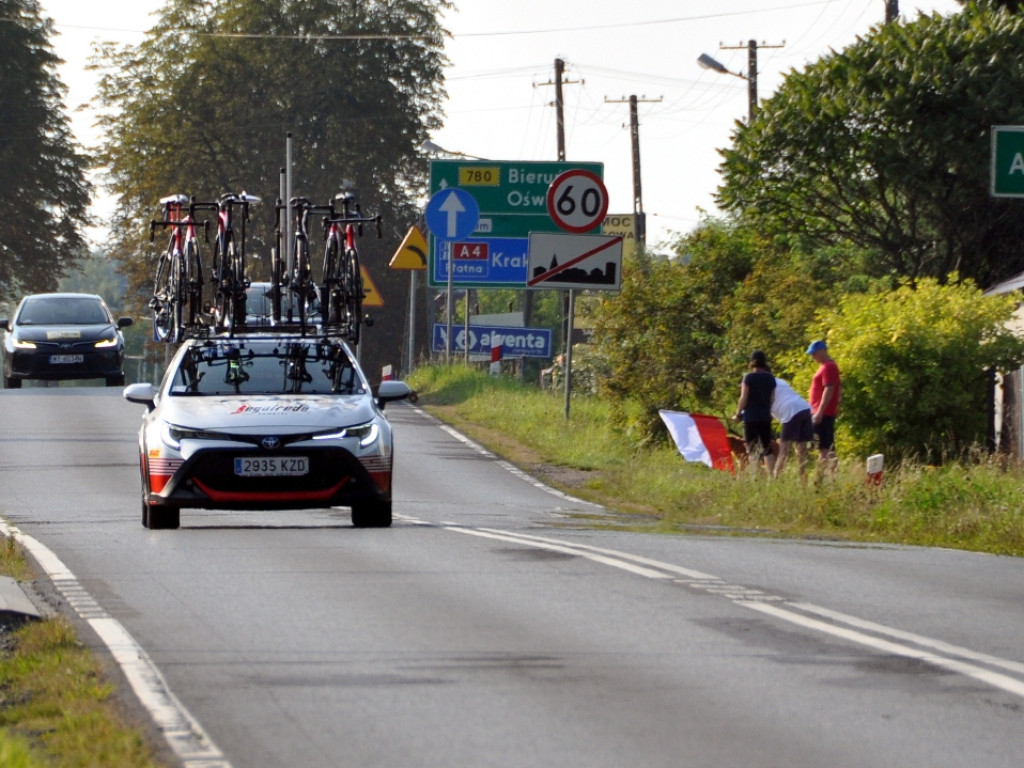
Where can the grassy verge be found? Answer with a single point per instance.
(56, 707)
(977, 505)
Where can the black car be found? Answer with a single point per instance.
(57, 336)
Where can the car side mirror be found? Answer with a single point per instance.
(392, 390)
(5, 323)
(124, 322)
(143, 393)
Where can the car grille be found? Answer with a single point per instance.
(215, 471)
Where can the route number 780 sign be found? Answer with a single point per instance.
(577, 201)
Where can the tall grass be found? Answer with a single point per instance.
(975, 504)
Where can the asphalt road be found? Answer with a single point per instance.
(500, 624)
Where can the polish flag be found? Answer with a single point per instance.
(699, 438)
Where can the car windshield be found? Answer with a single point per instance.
(285, 367)
(63, 310)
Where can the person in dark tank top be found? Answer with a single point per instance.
(754, 409)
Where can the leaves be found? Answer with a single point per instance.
(205, 103)
(46, 194)
(886, 145)
(916, 364)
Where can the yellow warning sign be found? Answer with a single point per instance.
(412, 253)
(371, 296)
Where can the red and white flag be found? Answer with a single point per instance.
(699, 438)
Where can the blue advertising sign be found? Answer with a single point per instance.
(452, 214)
(515, 342)
(493, 261)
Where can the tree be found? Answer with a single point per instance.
(204, 104)
(886, 145)
(916, 364)
(46, 195)
(660, 338)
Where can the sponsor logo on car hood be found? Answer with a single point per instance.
(256, 413)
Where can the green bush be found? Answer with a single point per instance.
(916, 366)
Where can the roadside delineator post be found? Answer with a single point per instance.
(385, 373)
(874, 468)
(495, 359)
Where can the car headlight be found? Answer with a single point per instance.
(367, 434)
(106, 343)
(22, 344)
(172, 435)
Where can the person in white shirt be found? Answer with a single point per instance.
(794, 414)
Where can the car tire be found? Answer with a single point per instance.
(160, 517)
(115, 381)
(11, 383)
(371, 514)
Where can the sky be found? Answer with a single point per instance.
(502, 67)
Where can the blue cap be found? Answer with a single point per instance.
(816, 346)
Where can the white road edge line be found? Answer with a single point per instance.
(661, 570)
(506, 465)
(183, 733)
(994, 679)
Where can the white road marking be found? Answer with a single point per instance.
(182, 731)
(931, 651)
(995, 679)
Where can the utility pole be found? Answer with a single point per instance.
(892, 10)
(558, 103)
(634, 129)
(751, 76)
(559, 106)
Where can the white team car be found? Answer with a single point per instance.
(265, 422)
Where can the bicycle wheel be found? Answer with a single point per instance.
(221, 283)
(330, 295)
(353, 280)
(236, 286)
(194, 281)
(302, 283)
(178, 297)
(276, 274)
(160, 303)
(242, 282)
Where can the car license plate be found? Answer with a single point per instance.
(66, 359)
(271, 466)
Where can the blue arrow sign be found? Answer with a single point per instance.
(452, 214)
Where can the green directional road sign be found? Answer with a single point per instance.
(1008, 160)
(512, 196)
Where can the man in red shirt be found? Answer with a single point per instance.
(824, 399)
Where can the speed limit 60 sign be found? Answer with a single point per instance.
(577, 201)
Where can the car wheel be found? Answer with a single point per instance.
(11, 383)
(115, 381)
(160, 516)
(371, 514)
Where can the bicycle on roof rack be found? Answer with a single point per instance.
(229, 271)
(339, 295)
(341, 290)
(177, 301)
(298, 283)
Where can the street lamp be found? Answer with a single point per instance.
(707, 62)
